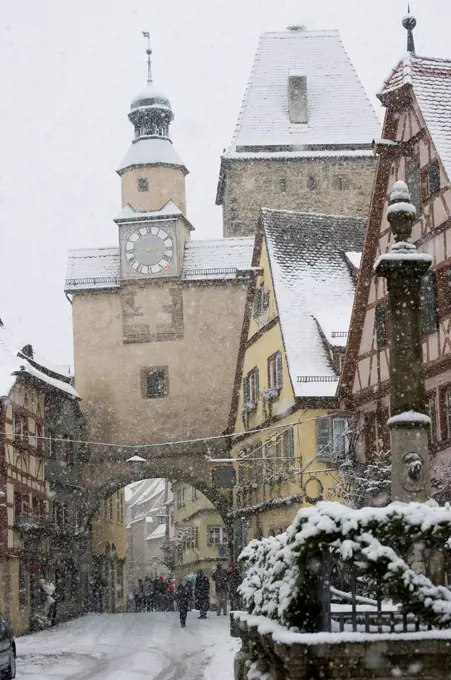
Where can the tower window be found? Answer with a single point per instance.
(340, 183)
(143, 184)
(283, 184)
(155, 382)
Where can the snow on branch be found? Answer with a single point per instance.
(282, 573)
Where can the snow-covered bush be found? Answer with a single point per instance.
(282, 573)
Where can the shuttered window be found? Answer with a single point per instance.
(275, 371)
(331, 439)
(323, 438)
(429, 304)
(381, 324)
(414, 184)
(251, 388)
(433, 179)
(443, 282)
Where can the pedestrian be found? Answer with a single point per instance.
(139, 595)
(202, 593)
(48, 600)
(221, 579)
(183, 597)
(147, 592)
(171, 595)
(234, 584)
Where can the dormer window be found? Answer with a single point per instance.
(297, 97)
(143, 184)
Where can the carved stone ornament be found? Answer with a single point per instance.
(413, 472)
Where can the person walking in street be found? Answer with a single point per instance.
(234, 584)
(221, 579)
(139, 595)
(202, 593)
(183, 597)
(147, 592)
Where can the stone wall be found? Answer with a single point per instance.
(337, 186)
(412, 656)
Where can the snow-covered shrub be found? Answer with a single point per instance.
(282, 573)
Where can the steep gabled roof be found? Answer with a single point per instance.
(14, 362)
(430, 80)
(339, 112)
(314, 290)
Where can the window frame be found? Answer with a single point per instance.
(381, 324)
(251, 389)
(145, 376)
(433, 179)
(221, 533)
(275, 371)
(142, 184)
(445, 413)
(432, 412)
(413, 181)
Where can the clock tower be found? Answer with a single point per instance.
(152, 225)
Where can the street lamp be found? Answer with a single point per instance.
(136, 463)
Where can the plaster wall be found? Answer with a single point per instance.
(201, 362)
(164, 184)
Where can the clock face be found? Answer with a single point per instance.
(149, 250)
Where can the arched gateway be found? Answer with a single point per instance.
(112, 468)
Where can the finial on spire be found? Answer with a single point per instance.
(409, 22)
(146, 34)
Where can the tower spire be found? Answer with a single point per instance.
(409, 22)
(146, 34)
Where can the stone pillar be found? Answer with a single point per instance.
(404, 269)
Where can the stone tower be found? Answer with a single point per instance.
(157, 317)
(304, 135)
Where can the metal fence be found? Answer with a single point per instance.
(346, 608)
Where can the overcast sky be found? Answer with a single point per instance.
(68, 73)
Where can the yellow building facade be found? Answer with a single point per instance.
(289, 432)
(109, 551)
(200, 534)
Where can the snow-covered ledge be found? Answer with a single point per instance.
(271, 652)
(409, 417)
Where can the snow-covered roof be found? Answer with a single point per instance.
(339, 112)
(146, 490)
(220, 258)
(313, 287)
(13, 362)
(151, 151)
(159, 532)
(92, 268)
(354, 258)
(431, 83)
(97, 268)
(128, 213)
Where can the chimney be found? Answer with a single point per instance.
(297, 97)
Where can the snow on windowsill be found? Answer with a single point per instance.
(409, 417)
(288, 637)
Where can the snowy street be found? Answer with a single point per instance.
(129, 647)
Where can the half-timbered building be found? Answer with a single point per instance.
(415, 147)
(29, 388)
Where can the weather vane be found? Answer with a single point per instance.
(146, 34)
